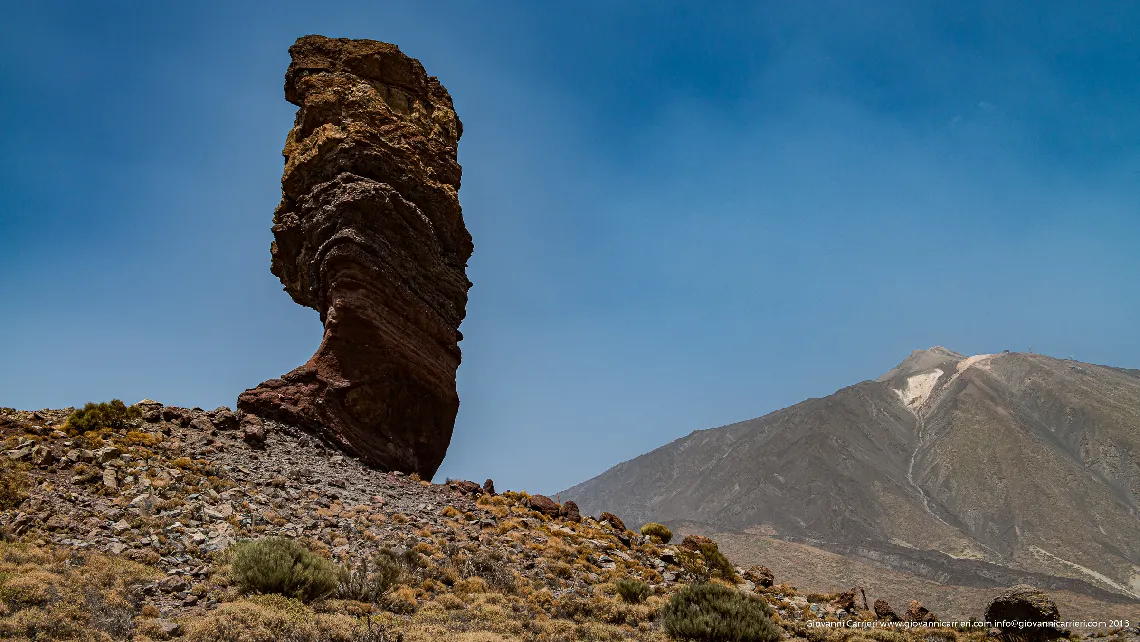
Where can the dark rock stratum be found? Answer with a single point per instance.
(369, 232)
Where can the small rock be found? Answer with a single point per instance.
(846, 599)
(253, 430)
(172, 584)
(121, 527)
(465, 487)
(883, 611)
(110, 480)
(613, 520)
(760, 576)
(916, 612)
(20, 454)
(169, 628)
(106, 454)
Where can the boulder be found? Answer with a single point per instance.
(202, 424)
(849, 600)
(1024, 603)
(916, 612)
(694, 542)
(543, 504)
(369, 233)
(106, 454)
(42, 456)
(883, 611)
(223, 418)
(760, 576)
(465, 487)
(180, 416)
(253, 431)
(614, 521)
(570, 512)
(151, 410)
(489, 487)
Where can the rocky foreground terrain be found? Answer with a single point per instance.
(949, 475)
(124, 534)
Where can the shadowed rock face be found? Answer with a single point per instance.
(369, 232)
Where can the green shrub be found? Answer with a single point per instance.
(632, 591)
(717, 562)
(112, 414)
(659, 532)
(370, 581)
(283, 566)
(715, 613)
(14, 483)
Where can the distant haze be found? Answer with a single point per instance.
(683, 216)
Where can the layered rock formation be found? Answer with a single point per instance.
(369, 232)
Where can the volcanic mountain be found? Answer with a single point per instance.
(965, 471)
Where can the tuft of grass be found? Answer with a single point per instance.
(285, 567)
(112, 414)
(715, 613)
(658, 532)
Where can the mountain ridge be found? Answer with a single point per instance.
(974, 457)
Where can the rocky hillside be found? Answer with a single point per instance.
(128, 533)
(967, 471)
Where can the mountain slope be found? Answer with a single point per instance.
(1017, 460)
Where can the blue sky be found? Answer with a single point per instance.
(683, 216)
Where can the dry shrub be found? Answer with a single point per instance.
(14, 483)
(283, 566)
(56, 594)
(370, 581)
(715, 613)
(402, 600)
(270, 618)
(658, 532)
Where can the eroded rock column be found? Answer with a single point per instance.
(369, 232)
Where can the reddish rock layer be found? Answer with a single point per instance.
(369, 233)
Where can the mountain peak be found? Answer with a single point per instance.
(921, 360)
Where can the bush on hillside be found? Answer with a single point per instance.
(368, 581)
(632, 591)
(717, 562)
(112, 414)
(285, 567)
(659, 532)
(715, 613)
(14, 483)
